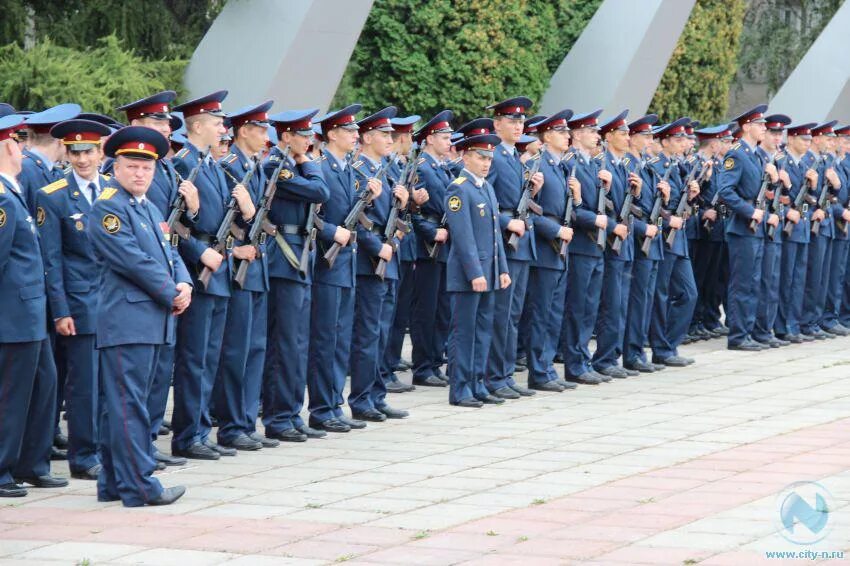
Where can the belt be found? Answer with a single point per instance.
(430, 218)
(205, 238)
(554, 218)
(510, 211)
(292, 229)
(378, 229)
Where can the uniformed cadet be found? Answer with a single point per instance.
(508, 178)
(145, 285)
(547, 280)
(392, 361)
(768, 296)
(475, 268)
(743, 173)
(69, 262)
(616, 281)
(675, 289)
(820, 245)
(236, 394)
(835, 287)
(375, 292)
(27, 389)
(844, 151)
(645, 264)
(430, 315)
(300, 189)
(200, 330)
(586, 265)
(154, 112)
(332, 317)
(799, 164)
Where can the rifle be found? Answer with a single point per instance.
(175, 225)
(625, 217)
(526, 203)
(655, 213)
(393, 224)
(260, 226)
(600, 204)
(228, 229)
(776, 203)
(823, 197)
(355, 215)
(761, 201)
(683, 207)
(800, 203)
(567, 220)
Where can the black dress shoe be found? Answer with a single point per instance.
(769, 343)
(806, 337)
(688, 361)
(586, 378)
(169, 495)
(331, 425)
(640, 366)
(566, 384)
(242, 442)
(12, 490)
(396, 387)
(600, 376)
(44, 481)
(658, 367)
(506, 393)
(558, 359)
(747, 346)
(168, 459)
(288, 435)
(402, 365)
(391, 413)
(523, 391)
(160, 466)
(197, 451)
(521, 363)
(430, 381)
(782, 342)
(354, 423)
(630, 372)
(615, 372)
(163, 431)
(265, 441)
(90, 474)
(57, 454)
(552, 386)
(371, 415)
(816, 333)
(223, 450)
(311, 432)
(60, 441)
(490, 400)
(672, 361)
(837, 330)
(472, 403)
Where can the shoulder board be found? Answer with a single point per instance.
(459, 180)
(626, 160)
(691, 159)
(653, 160)
(182, 153)
(535, 156)
(599, 156)
(107, 193)
(569, 156)
(779, 156)
(230, 158)
(357, 164)
(106, 176)
(2, 189)
(274, 158)
(323, 158)
(736, 145)
(420, 161)
(55, 186)
(25, 156)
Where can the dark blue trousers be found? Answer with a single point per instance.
(372, 317)
(470, 336)
(158, 399)
(584, 288)
(545, 312)
(240, 369)
(835, 288)
(792, 268)
(707, 271)
(673, 305)
(768, 299)
(745, 264)
(639, 309)
(199, 334)
(27, 408)
(401, 318)
(817, 278)
(126, 451)
(611, 321)
(81, 394)
(429, 318)
(284, 377)
(331, 322)
(507, 311)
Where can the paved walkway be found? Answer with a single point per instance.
(676, 467)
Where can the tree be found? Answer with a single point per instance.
(697, 80)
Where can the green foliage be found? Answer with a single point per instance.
(424, 57)
(777, 33)
(697, 79)
(98, 79)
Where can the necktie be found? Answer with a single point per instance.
(92, 192)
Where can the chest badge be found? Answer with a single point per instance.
(39, 216)
(79, 225)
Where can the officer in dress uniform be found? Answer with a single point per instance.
(154, 112)
(145, 284)
(375, 294)
(768, 297)
(392, 361)
(616, 282)
(838, 265)
(332, 317)
(300, 189)
(844, 164)
(236, 394)
(508, 178)
(27, 391)
(547, 281)
(429, 320)
(743, 171)
(63, 213)
(645, 264)
(475, 268)
(200, 331)
(799, 164)
(675, 289)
